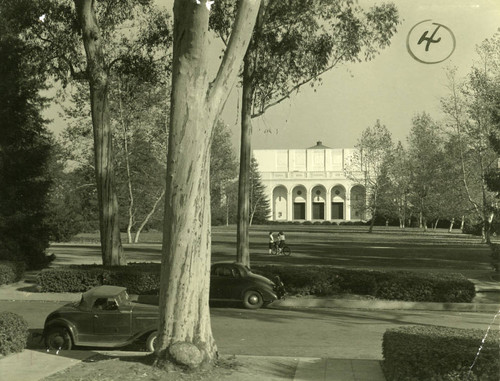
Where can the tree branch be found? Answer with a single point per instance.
(236, 49)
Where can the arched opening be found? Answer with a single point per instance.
(338, 202)
(358, 202)
(280, 195)
(299, 202)
(318, 200)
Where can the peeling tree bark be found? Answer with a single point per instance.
(111, 246)
(185, 335)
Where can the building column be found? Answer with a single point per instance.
(308, 205)
(347, 206)
(289, 205)
(328, 206)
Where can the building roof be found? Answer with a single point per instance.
(319, 145)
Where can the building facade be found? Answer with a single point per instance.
(311, 184)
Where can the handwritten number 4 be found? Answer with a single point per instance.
(430, 40)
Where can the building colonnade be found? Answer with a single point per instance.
(299, 202)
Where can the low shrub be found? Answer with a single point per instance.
(11, 271)
(495, 256)
(13, 333)
(393, 285)
(144, 278)
(433, 353)
(138, 278)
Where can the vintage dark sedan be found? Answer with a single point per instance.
(236, 282)
(104, 317)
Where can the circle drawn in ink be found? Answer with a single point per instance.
(430, 42)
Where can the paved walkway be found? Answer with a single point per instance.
(32, 365)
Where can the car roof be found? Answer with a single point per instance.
(103, 291)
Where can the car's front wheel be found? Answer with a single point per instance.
(151, 342)
(58, 338)
(253, 300)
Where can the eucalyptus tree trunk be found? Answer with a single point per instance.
(111, 246)
(243, 219)
(185, 334)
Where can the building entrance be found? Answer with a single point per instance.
(318, 211)
(299, 211)
(337, 210)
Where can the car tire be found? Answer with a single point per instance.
(58, 338)
(151, 341)
(253, 300)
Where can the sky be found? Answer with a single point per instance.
(392, 88)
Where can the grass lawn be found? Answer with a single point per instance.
(387, 248)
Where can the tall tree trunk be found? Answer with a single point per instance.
(242, 238)
(243, 215)
(452, 222)
(185, 335)
(111, 246)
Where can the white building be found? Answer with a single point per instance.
(311, 184)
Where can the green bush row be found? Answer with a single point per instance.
(143, 278)
(139, 279)
(11, 271)
(431, 353)
(13, 333)
(392, 285)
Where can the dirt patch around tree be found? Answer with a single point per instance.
(131, 368)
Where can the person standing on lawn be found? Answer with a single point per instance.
(271, 242)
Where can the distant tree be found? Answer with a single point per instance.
(260, 210)
(469, 120)
(369, 166)
(425, 153)
(105, 28)
(25, 149)
(294, 43)
(223, 172)
(400, 183)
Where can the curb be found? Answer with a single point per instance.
(383, 305)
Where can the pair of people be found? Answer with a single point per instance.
(279, 242)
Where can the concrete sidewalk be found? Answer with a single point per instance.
(32, 365)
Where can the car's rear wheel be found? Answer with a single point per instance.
(253, 300)
(58, 338)
(151, 342)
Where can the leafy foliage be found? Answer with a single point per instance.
(25, 148)
(13, 333)
(437, 353)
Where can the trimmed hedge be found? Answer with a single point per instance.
(11, 271)
(431, 353)
(138, 278)
(13, 333)
(144, 278)
(392, 285)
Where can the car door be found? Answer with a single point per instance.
(224, 281)
(111, 322)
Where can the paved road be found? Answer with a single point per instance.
(332, 333)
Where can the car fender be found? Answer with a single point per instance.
(61, 322)
(267, 295)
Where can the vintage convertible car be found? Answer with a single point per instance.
(104, 317)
